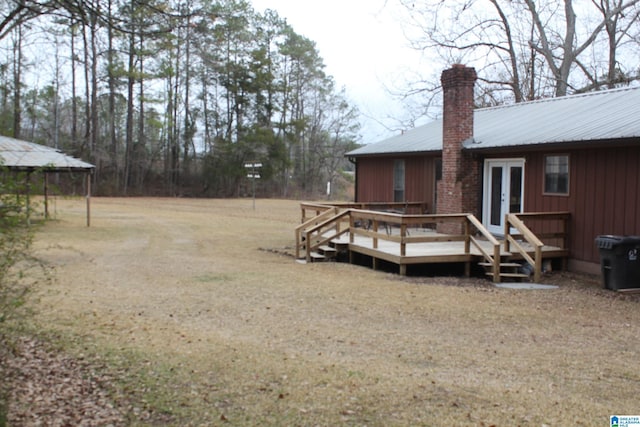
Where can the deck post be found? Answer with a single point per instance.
(307, 244)
(467, 236)
(565, 234)
(375, 230)
(537, 272)
(352, 228)
(46, 195)
(507, 230)
(403, 243)
(496, 263)
(403, 269)
(88, 199)
(467, 246)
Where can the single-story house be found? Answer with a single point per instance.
(578, 154)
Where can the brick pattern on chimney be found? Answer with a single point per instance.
(459, 188)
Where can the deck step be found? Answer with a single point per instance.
(502, 264)
(327, 250)
(316, 256)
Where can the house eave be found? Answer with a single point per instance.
(554, 146)
(395, 154)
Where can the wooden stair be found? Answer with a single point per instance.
(508, 270)
(324, 253)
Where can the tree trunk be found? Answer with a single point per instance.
(141, 143)
(113, 146)
(74, 102)
(17, 81)
(131, 81)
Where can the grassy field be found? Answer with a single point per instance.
(195, 316)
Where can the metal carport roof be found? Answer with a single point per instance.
(23, 155)
(26, 156)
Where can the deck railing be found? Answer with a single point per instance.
(492, 258)
(513, 240)
(379, 226)
(393, 224)
(310, 209)
(320, 230)
(374, 221)
(550, 227)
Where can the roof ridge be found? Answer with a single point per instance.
(560, 98)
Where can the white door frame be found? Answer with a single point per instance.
(494, 210)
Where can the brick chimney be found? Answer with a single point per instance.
(459, 189)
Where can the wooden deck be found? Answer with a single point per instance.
(411, 239)
(436, 252)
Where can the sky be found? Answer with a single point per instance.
(364, 49)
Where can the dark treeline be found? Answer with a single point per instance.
(173, 98)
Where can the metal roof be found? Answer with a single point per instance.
(17, 154)
(595, 116)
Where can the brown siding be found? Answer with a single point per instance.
(603, 195)
(375, 179)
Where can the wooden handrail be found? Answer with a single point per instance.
(562, 234)
(328, 213)
(511, 220)
(319, 207)
(322, 238)
(494, 258)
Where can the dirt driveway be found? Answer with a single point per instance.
(192, 302)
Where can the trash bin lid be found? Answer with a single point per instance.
(609, 241)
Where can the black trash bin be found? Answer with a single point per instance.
(619, 261)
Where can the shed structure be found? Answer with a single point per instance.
(22, 156)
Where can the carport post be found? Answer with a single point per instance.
(88, 199)
(46, 195)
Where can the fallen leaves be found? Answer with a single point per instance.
(46, 388)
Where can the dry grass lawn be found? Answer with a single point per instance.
(190, 307)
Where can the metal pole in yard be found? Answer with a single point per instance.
(253, 175)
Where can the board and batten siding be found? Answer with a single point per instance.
(604, 190)
(375, 179)
(604, 195)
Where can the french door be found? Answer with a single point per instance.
(503, 191)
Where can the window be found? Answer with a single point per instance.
(398, 181)
(438, 177)
(556, 174)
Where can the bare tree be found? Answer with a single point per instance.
(529, 48)
(17, 81)
(622, 29)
